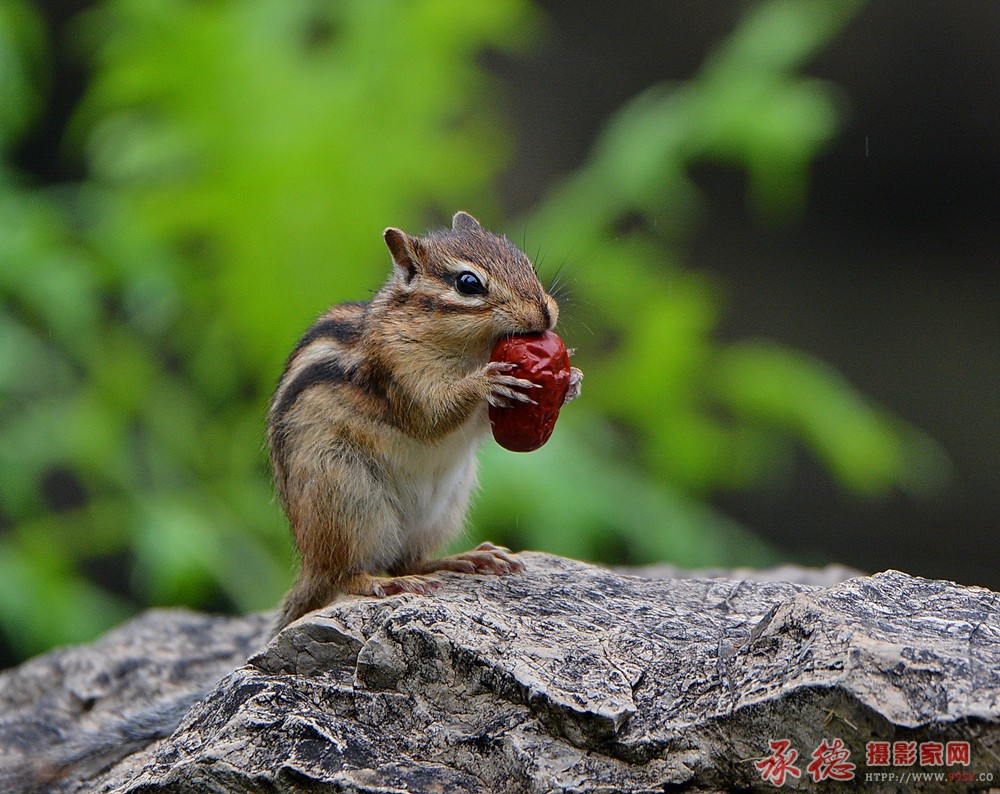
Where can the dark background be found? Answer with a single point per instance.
(889, 275)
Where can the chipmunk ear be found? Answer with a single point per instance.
(464, 222)
(407, 252)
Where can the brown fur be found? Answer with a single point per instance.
(374, 423)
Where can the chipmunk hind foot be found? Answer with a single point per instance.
(485, 558)
(367, 584)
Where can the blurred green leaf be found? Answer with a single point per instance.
(45, 602)
(576, 497)
(22, 66)
(864, 448)
(381, 111)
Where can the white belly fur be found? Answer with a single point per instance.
(432, 486)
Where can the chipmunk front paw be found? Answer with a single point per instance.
(575, 377)
(503, 388)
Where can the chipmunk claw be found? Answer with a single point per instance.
(505, 389)
(575, 379)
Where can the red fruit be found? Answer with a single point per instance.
(542, 359)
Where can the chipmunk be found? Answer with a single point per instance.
(375, 423)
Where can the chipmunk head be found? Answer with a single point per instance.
(478, 286)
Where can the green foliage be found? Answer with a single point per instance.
(243, 157)
(700, 416)
(20, 43)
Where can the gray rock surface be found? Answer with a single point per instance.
(566, 678)
(826, 576)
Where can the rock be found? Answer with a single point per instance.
(818, 577)
(566, 678)
(63, 706)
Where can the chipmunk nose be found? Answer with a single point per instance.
(550, 312)
(547, 317)
(537, 316)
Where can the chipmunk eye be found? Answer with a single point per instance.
(469, 284)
